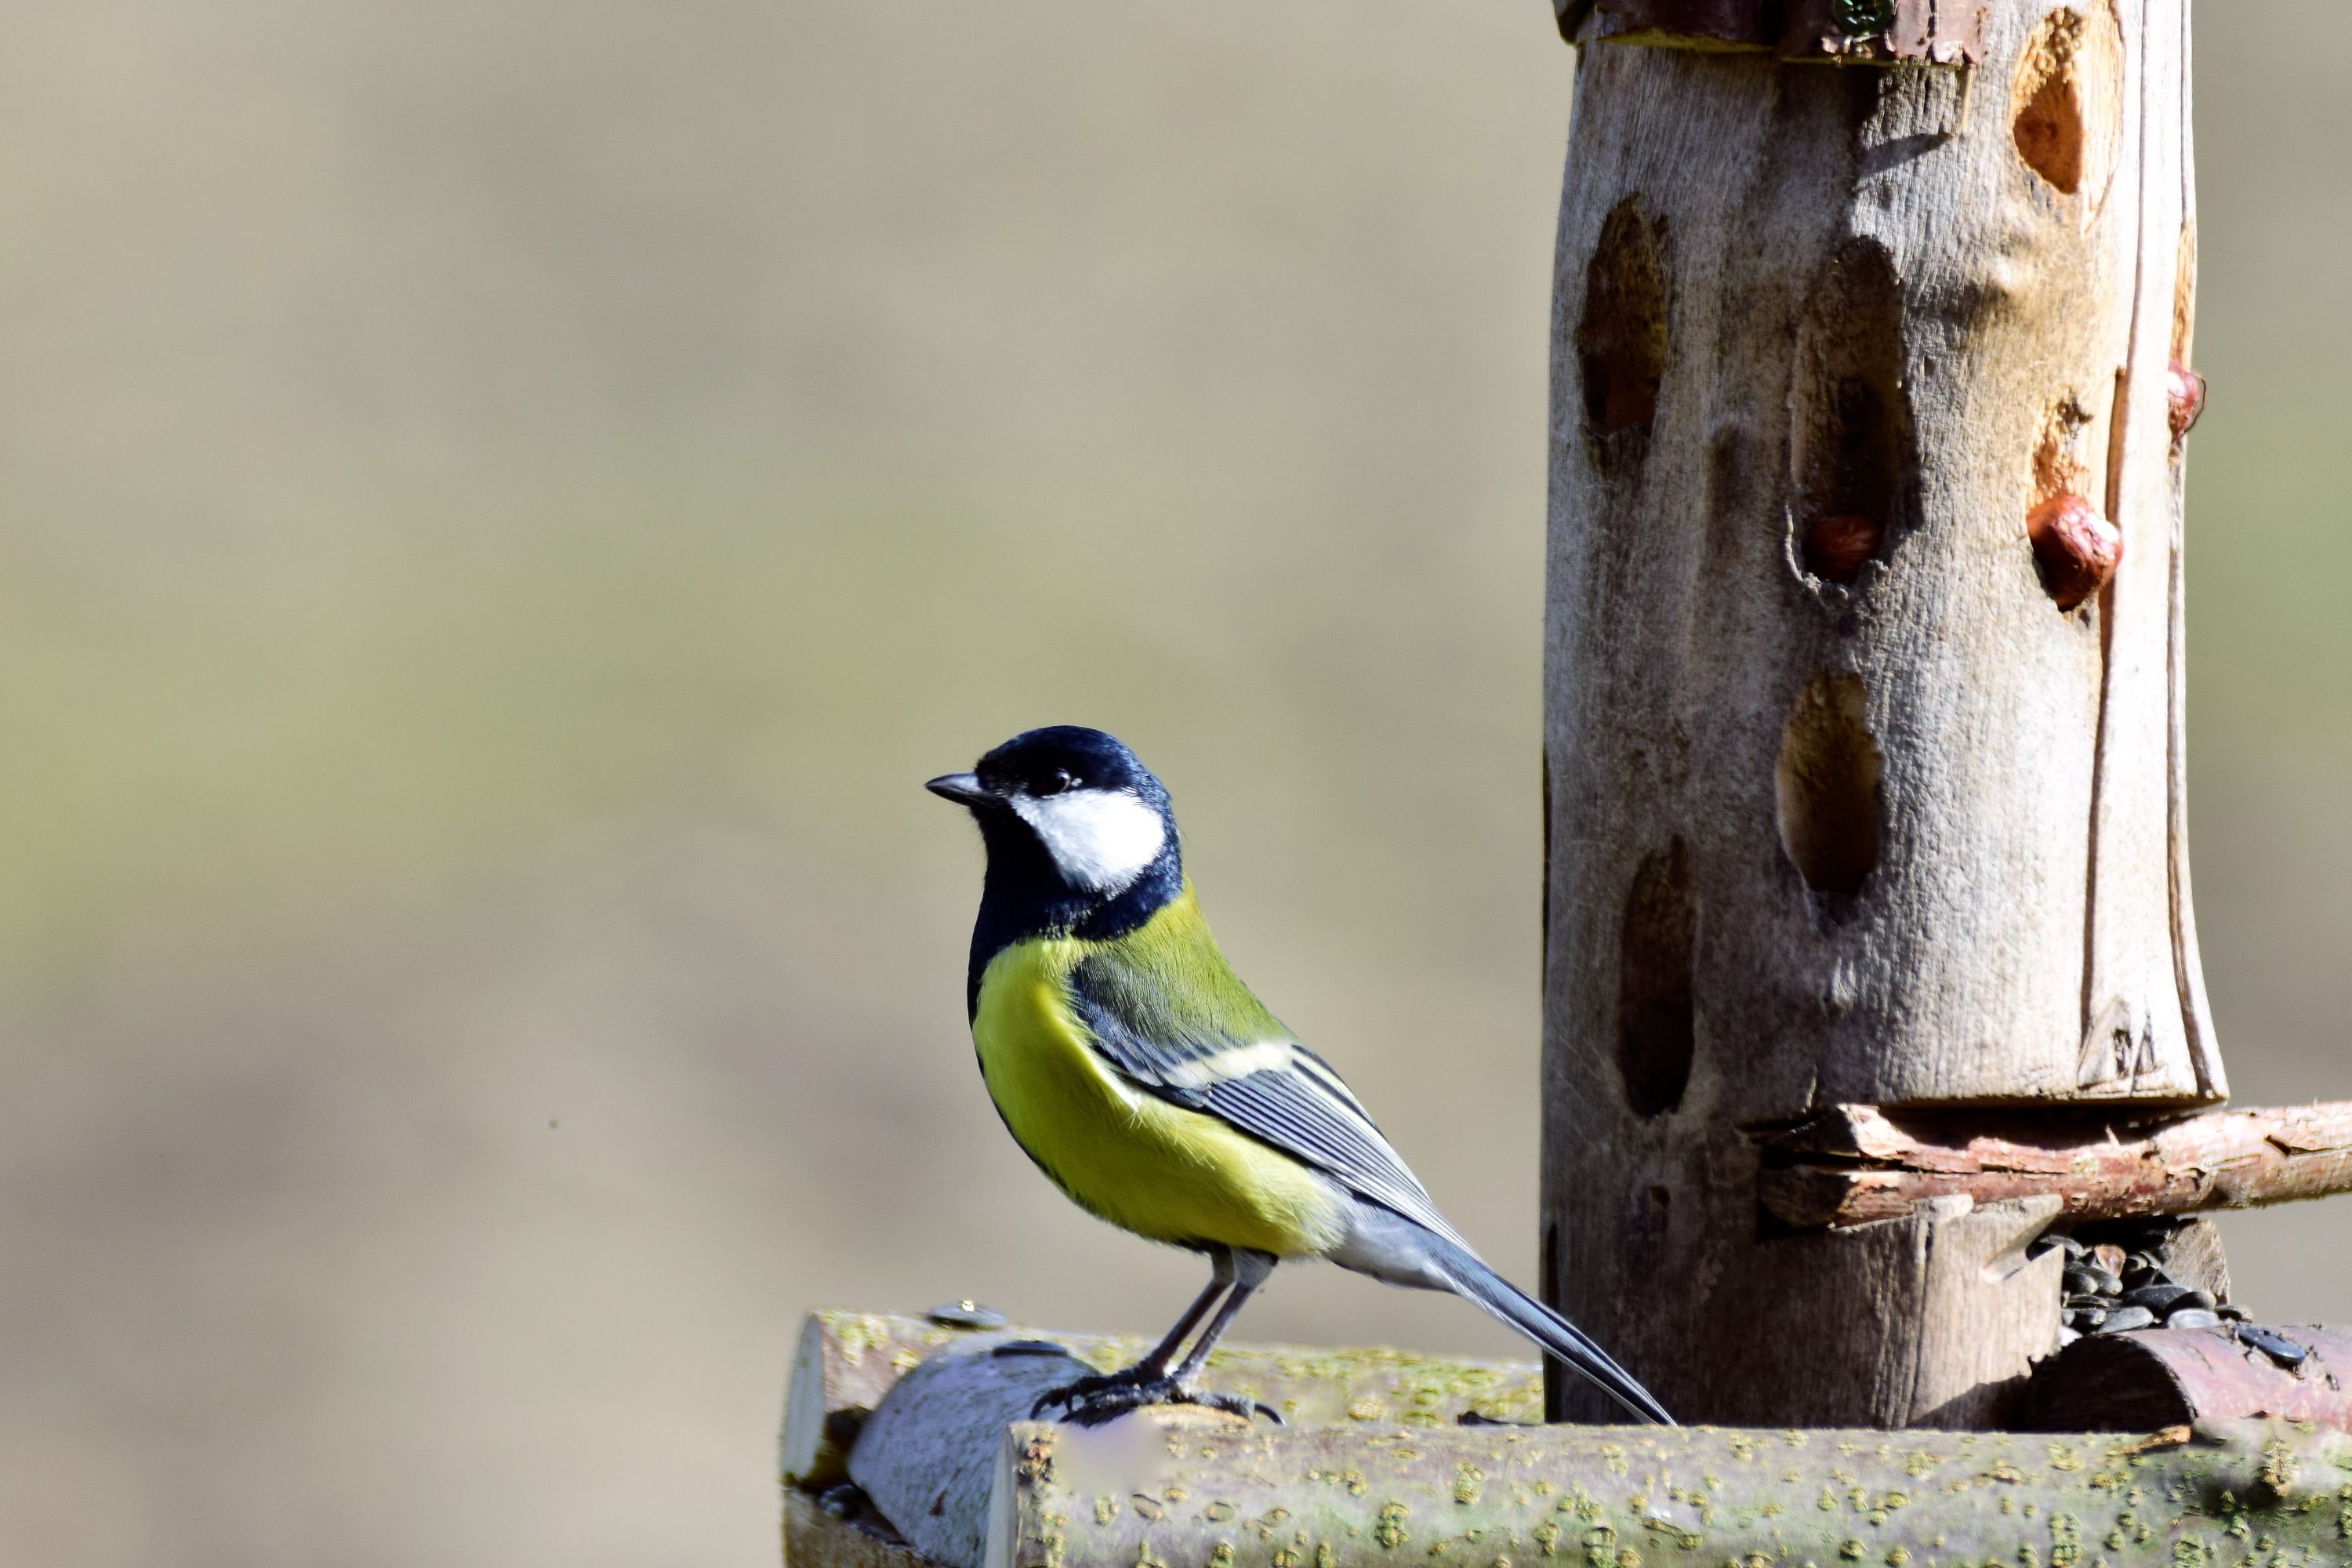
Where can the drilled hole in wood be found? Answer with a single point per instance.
(1853, 438)
(2075, 550)
(1826, 786)
(2064, 107)
(1620, 338)
(1657, 1023)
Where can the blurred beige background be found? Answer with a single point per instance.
(500, 506)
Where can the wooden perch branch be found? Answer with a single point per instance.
(1857, 1164)
(950, 1474)
(1337, 1499)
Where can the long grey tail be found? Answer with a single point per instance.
(1474, 1282)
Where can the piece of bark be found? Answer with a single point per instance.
(2191, 1254)
(1910, 840)
(2158, 1377)
(848, 1361)
(1349, 1499)
(1856, 1163)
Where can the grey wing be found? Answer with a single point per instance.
(1275, 1090)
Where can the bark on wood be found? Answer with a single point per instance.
(1841, 805)
(1888, 1161)
(2159, 1377)
(848, 1361)
(1231, 1497)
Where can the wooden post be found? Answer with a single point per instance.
(1863, 767)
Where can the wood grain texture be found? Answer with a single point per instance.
(1927, 826)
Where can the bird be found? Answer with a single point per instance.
(1153, 1088)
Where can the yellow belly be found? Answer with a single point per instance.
(1162, 1172)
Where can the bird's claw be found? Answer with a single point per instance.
(1092, 1400)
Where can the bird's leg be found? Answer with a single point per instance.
(1250, 1271)
(1152, 1369)
(1221, 1280)
(1094, 1400)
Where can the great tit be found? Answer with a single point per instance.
(1158, 1093)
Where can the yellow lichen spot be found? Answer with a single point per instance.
(1149, 1509)
(2062, 1458)
(1469, 1483)
(1876, 1516)
(1105, 1510)
(1324, 1556)
(1895, 1499)
(1852, 1550)
(1827, 1502)
(1920, 1462)
(1896, 1557)
(1366, 1408)
(1547, 1536)
(1356, 1484)
(1627, 1558)
(1285, 1557)
(1437, 1548)
(1220, 1511)
(1390, 1532)
(1175, 1494)
(1221, 1555)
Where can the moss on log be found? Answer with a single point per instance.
(1149, 1494)
(848, 1361)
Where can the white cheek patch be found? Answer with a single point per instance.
(1100, 840)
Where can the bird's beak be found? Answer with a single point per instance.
(962, 788)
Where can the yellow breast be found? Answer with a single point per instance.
(1162, 1172)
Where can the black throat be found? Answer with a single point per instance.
(1025, 895)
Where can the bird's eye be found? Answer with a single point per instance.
(1054, 782)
